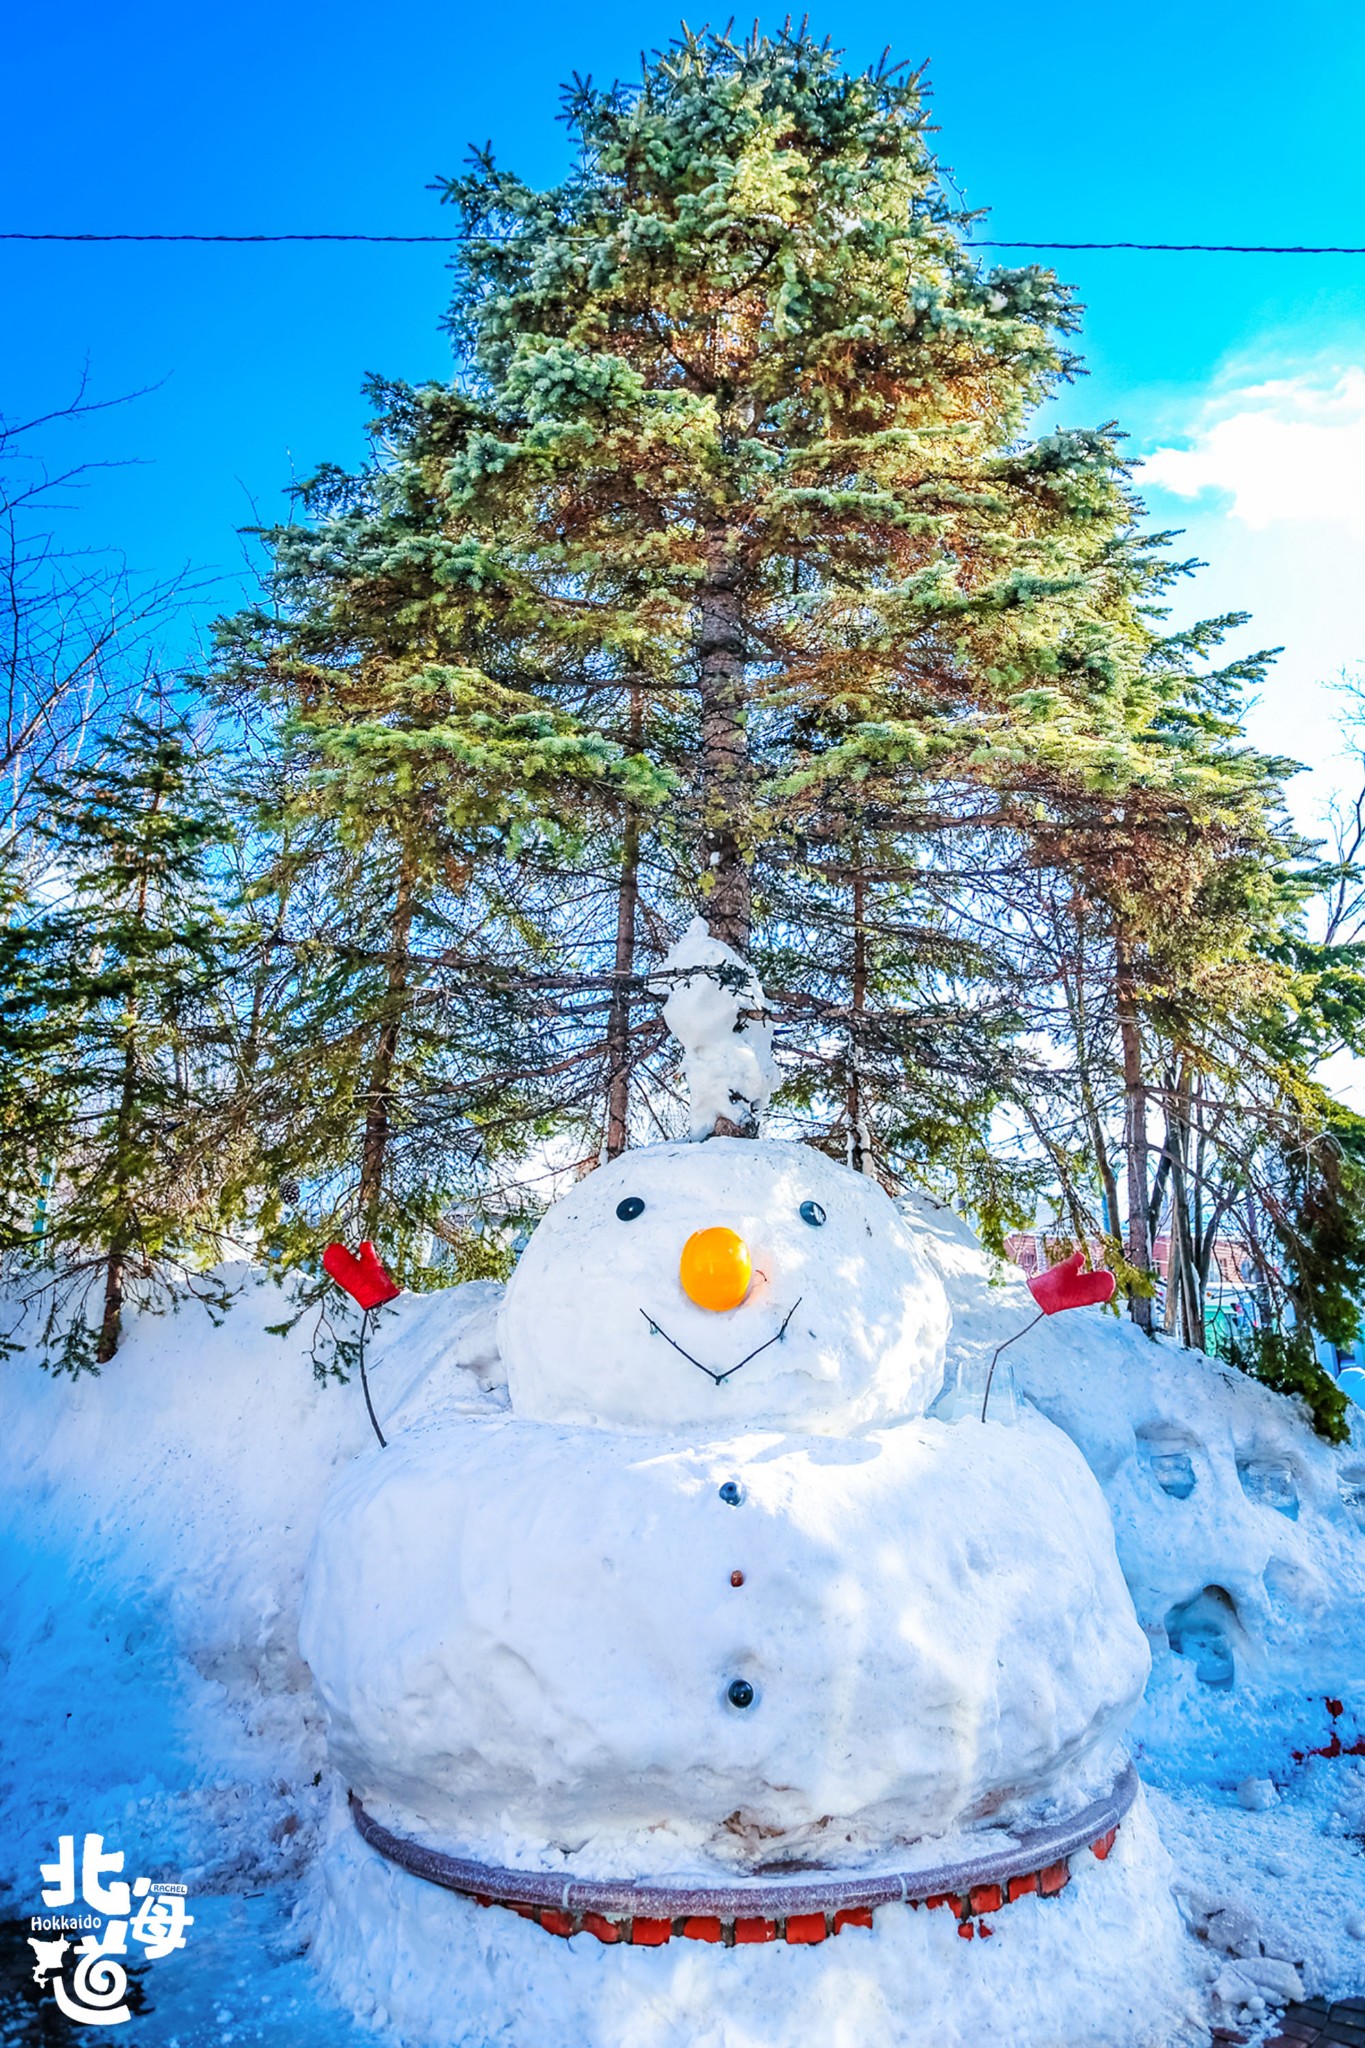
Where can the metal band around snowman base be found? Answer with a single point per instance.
(794, 1909)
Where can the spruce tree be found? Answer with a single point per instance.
(117, 972)
(753, 414)
(725, 572)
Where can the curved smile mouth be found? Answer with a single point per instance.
(657, 1330)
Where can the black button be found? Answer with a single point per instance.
(740, 1693)
(732, 1493)
(630, 1208)
(809, 1212)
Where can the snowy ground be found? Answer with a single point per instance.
(243, 1980)
(156, 1523)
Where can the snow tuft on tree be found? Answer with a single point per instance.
(720, 1017)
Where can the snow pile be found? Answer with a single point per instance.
(845, 1318)
(1241, 1533)
(154, 1525)
(1242, 1538)
(719, 1017)
(524, 1638)
(438, 1354)
(1273, 1890)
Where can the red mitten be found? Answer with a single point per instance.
(1067, 1286)
(360, 1273)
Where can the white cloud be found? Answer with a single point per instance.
(1289, 449)
(1263, 471)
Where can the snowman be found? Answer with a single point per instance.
(699, 1684)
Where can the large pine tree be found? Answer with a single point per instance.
(750, 413)
(750, 419)
(725, 572)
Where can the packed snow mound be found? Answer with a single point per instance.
(1104, 1965)
(843, 1327)
(719, 1017)
(1240, 1531)
(525, 1638)
(155, 1520)
(439, 1358)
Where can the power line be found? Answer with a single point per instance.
(1192, 248)
(23, 235)
(448, 241)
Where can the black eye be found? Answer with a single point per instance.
(630, 1208)
(810, 1212)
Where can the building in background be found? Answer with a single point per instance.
(1232, 1302)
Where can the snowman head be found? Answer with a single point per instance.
(738, 1282)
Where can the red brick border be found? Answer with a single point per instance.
(800, 1929)
(799, 1911)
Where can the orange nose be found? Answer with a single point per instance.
(715, 1269)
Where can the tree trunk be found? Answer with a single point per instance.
(116, 1259)
(1184, 1294)
(1109, 1187)
(1073, 988)
(618, 1024)
(1160, 1180)
(120, 1243)
(1170, 1159)
(379, 1098)
(724, 764)
(111, 1323)
(252, 1044)
(859, 1147)
(1135, 1130)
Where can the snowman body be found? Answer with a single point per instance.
(717, 1591)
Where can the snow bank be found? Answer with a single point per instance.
(154, 1525)
(156, 1522)
(1240, 1531)
(1242, 1537)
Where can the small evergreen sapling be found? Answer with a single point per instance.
(116, 1030)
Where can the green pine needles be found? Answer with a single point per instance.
(114, 1040)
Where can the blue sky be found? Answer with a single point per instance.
(1242, 378)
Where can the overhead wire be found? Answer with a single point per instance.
(448, 241)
